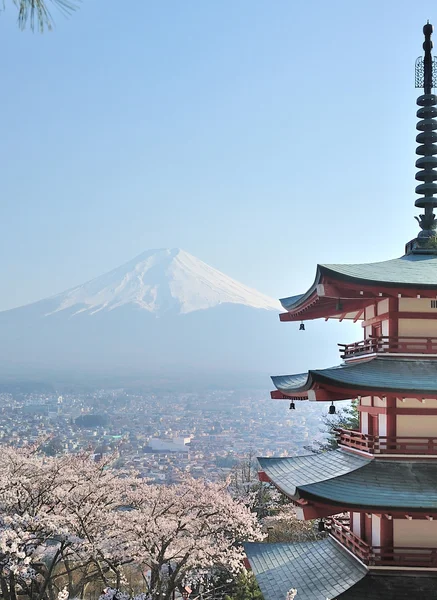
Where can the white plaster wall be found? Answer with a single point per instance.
(369, 312)
(364, 422)
(385, 327)
(382, 424)
(416, 404)
(379, 401)
(366, 401)
(376, 530)
(416, 305)
(415, 533)
(383, 306)
(416, 426)
(419, 327)
(356, 524)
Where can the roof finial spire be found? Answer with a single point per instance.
(427, 60)
(426, 78)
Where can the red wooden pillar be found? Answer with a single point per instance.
(386, 532)
(393, 308)
(366, 528)
(391, 416)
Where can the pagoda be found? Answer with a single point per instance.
(384, 475)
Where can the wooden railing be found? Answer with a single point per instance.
(390, 344)
(383, 556)
(383, 444)
(403, 557)
(351, 541)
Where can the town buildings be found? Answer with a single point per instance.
(385, 474)
(142, 427)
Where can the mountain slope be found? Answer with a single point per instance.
(160, 281)
(164, 312)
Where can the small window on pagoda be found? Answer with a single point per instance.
(433, 303)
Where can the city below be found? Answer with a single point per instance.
(162, 434)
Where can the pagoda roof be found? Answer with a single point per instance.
(383, 374)
(414, 271)
(318, 570)
(371, 484)
(322, 570)
(291, 473)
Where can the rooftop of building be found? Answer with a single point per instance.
(341, 479)
(323, 570)
(318, 570)
(378, 374)
(411, 270)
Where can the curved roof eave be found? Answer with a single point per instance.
(290, 474)
(375, 374)
(295, 301)
(318, 569)
(408, 271)
(380, 484)
(300, 382)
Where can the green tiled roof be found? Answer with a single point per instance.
(412, 270)
(382, 374)
(290, 473)
(383, 484)
(318, 570)
(409, 270)
(348, 480)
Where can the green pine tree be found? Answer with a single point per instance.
(246, 588)
(36, 13)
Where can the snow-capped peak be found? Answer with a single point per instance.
(159, 281)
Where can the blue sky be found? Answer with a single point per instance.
(262, 137)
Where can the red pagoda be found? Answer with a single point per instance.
(383, 475)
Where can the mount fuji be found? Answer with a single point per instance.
(164, 312)
(161, 282)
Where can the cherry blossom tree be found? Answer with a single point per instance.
(55, 519)
(67, 522)
(284, 526)
(182, 532)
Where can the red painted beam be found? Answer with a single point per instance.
(400, 315)
(277, 395)
(262, 476)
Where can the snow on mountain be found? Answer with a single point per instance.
(161, 281)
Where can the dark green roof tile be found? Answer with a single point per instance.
(345, 479)
(406, 485)
(322, 570)
(412, 270)
(290, 473)
(382, 374)
(318, 570)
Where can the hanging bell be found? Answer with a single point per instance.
(292, 405)
(321, 526)
(332, 409)
(302, 326)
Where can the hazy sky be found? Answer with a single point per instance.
(261, 136)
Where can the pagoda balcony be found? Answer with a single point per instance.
(383, 444)
(379, 556)
(390, 345)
